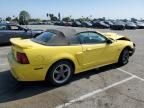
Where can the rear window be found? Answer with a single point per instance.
(49, 38)
(45, 37)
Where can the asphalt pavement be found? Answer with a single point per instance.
(106, 87)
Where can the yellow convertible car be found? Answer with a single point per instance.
(57, 54)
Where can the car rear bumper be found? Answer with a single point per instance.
(26, 72)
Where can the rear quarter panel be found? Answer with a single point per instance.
(48, 55)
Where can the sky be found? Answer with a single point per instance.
(76, 8)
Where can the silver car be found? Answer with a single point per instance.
(8, 31)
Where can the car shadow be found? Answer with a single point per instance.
(4, 44)
(11, 90)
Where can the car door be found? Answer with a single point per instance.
(20, 32)
(5, 34)
(96, 51)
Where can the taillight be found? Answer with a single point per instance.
(22, 58)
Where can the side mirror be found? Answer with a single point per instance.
(109, 41)
(25, 30)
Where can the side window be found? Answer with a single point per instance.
(91, 38)
(74, 40)
(83, 37)
(13, 27)
(96, 38)
(3, 27)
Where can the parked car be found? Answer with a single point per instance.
(57, 23)
(76, 24)
(140, 25)
(61, 23)
(86, 24)
(48, 23)
(57, 54)
(118, 25)
(4, 22)
(100, 24)
(110, 23)
(8, 31)
(130, 25)
(67, 23)
(64, 23)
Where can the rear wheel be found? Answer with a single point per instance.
(60, 73)
(124, 57)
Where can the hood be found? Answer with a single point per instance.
(115, 36)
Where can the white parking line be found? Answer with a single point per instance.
(4, 47)
(94, 92)
(3, 64)
(130, 74)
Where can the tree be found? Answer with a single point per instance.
(51, 16)
(133, 19)
(0, 19)
(8, 19)
(59, 16)
(66, 19)
(84, 19)
(15, 19)
(54, 18)
(47, 15)
(35, 20)
(24, 18)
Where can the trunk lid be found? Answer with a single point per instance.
(21, 45)
(24, 43)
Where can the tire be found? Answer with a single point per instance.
(124, 57)
(56, 75)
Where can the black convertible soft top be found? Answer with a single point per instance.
(66, 32)
(63, 36)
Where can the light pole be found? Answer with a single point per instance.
(0, 20)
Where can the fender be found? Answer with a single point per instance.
(64, 56)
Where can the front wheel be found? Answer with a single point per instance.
(60, 73)
(124, 57)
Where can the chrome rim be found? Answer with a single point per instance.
(61, 73)
(125, 57)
